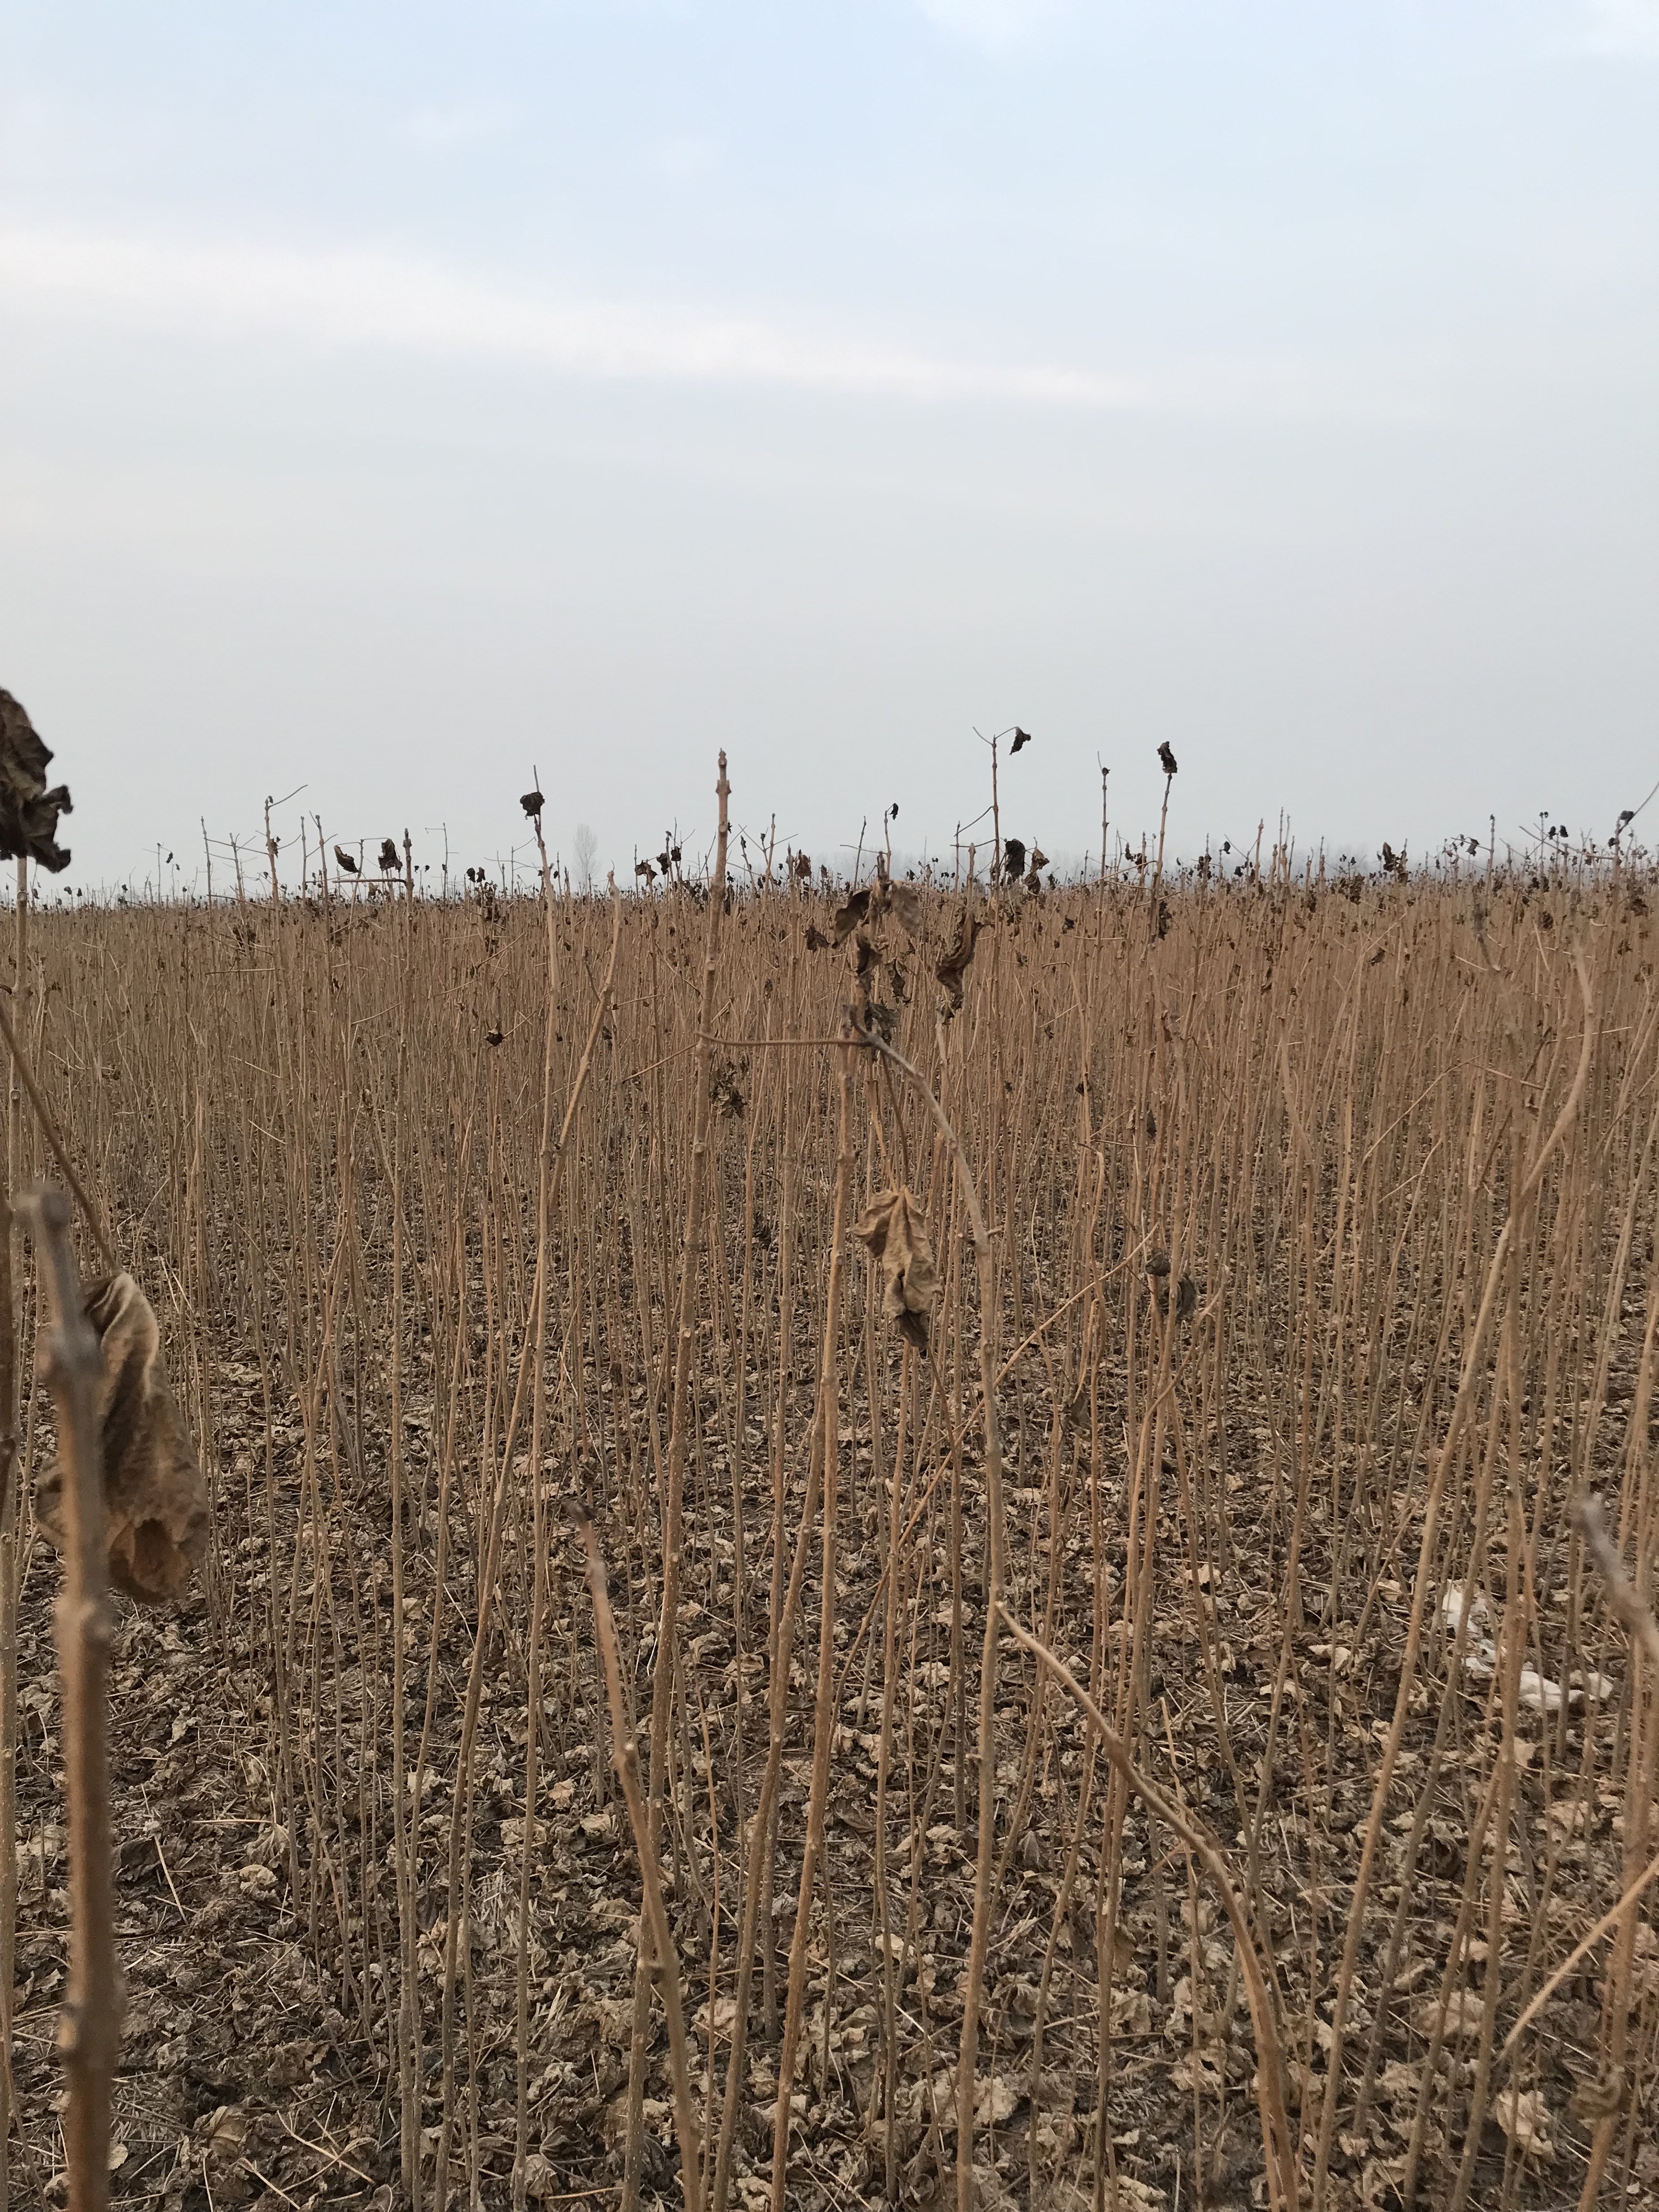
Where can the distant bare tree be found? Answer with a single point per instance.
(586, 845)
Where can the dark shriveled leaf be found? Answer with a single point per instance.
(343, 860)
(28, 812)
(847, 918)
(954, 965)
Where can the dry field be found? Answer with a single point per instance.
(1318, 1228)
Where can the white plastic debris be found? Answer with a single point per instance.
(1537, 1692)
(1480, 1652)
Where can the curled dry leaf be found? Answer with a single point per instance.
(1524, 2117)
(155, 1499)
(1465, 2010)
(906, 903)
(954, 965)
(1601, 2098)
(847, 918)
(28, 812)
(891, 1227)
(343, 860)
(388, 855)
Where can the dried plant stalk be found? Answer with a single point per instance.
(978, 1943)
(656, 1912)
(826, 1449)
(89, 2026)
(680, 1418)
(1277, 2141)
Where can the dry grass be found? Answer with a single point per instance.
(1402, 1140)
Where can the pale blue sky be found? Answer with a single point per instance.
(393, 395)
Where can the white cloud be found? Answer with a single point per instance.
(1621, 27)
(462, 122)
(995, 26)
(333, 298)
(685, 159)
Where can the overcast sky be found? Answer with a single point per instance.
(394, 395)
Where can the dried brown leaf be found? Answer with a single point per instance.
(156, 1497)
(28, 812)
(847, 918)
(893, 1228)
(954, 964)
(906, 903)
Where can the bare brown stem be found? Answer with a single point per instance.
(89, 2026)
(662, 1939)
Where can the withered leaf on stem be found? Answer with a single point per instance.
(343, 860)
(28, 812)
(532, 802)
(1166, 758)
(847, 918)
(816, 939)
(1013, 857)
(906, 903)
(892, 1227)
(1021, 738)
(954, 965)
(388, 856)
(869, 954)
(154, 1497)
